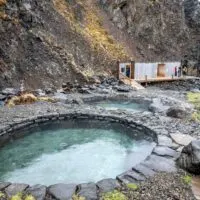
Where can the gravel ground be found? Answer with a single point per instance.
(163, 186)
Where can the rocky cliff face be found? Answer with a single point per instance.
(159, 29)
(50, 42)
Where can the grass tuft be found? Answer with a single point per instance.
(187, 179)
(132, 186)
(194, 98)
(27, 98)
(77, 197)
(115, 195)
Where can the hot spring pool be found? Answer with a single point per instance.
(73, 152)
(122, 104)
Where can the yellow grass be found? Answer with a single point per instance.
(27, 98)
(92, 29)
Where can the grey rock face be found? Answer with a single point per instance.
(107, 185)
(88, 191)
(190, 157)
(62, 191)
(13, 189)
(38, 191)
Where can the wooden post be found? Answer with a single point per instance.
(146, 80)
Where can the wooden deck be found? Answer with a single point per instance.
(162, 79)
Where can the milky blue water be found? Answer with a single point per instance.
(124, 105)
(73, 152)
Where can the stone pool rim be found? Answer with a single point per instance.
(34, 115)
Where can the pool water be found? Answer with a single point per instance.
(124, 105)
(73, 152)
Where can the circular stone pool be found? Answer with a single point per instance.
(122, 104)
(73, 151)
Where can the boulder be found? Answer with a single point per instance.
(16, 188)
(178, 112)
(165, 151)
(190, 158)
(37, 191)
(107, 185)
(62, 191)
(160, 164)
(88, 191)
(157, 106)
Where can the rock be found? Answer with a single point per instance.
(88, 191)
(37, 191)
(103, 91)
(182, 139)
(157, 107)
(178, 112)
(160, 164)
(48, 91)
(9, 91)
(119, 18)
(190, 158)
(2, 97)
(77, 100)
(4, 185)
(123, 88)
(94, 80)
(165, 151)
(164, 141)
(84, 90)
(62, 191)
(107, 185)
(39, 92)
(145, 171)
(13, 189)
(131, 177)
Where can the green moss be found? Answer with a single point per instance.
(21, 196)
(132, 186)
(2, 195)
(187, 179)
(77, 197)
(29, 197)
(115, 195)
(194, 98)
(18, 196)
